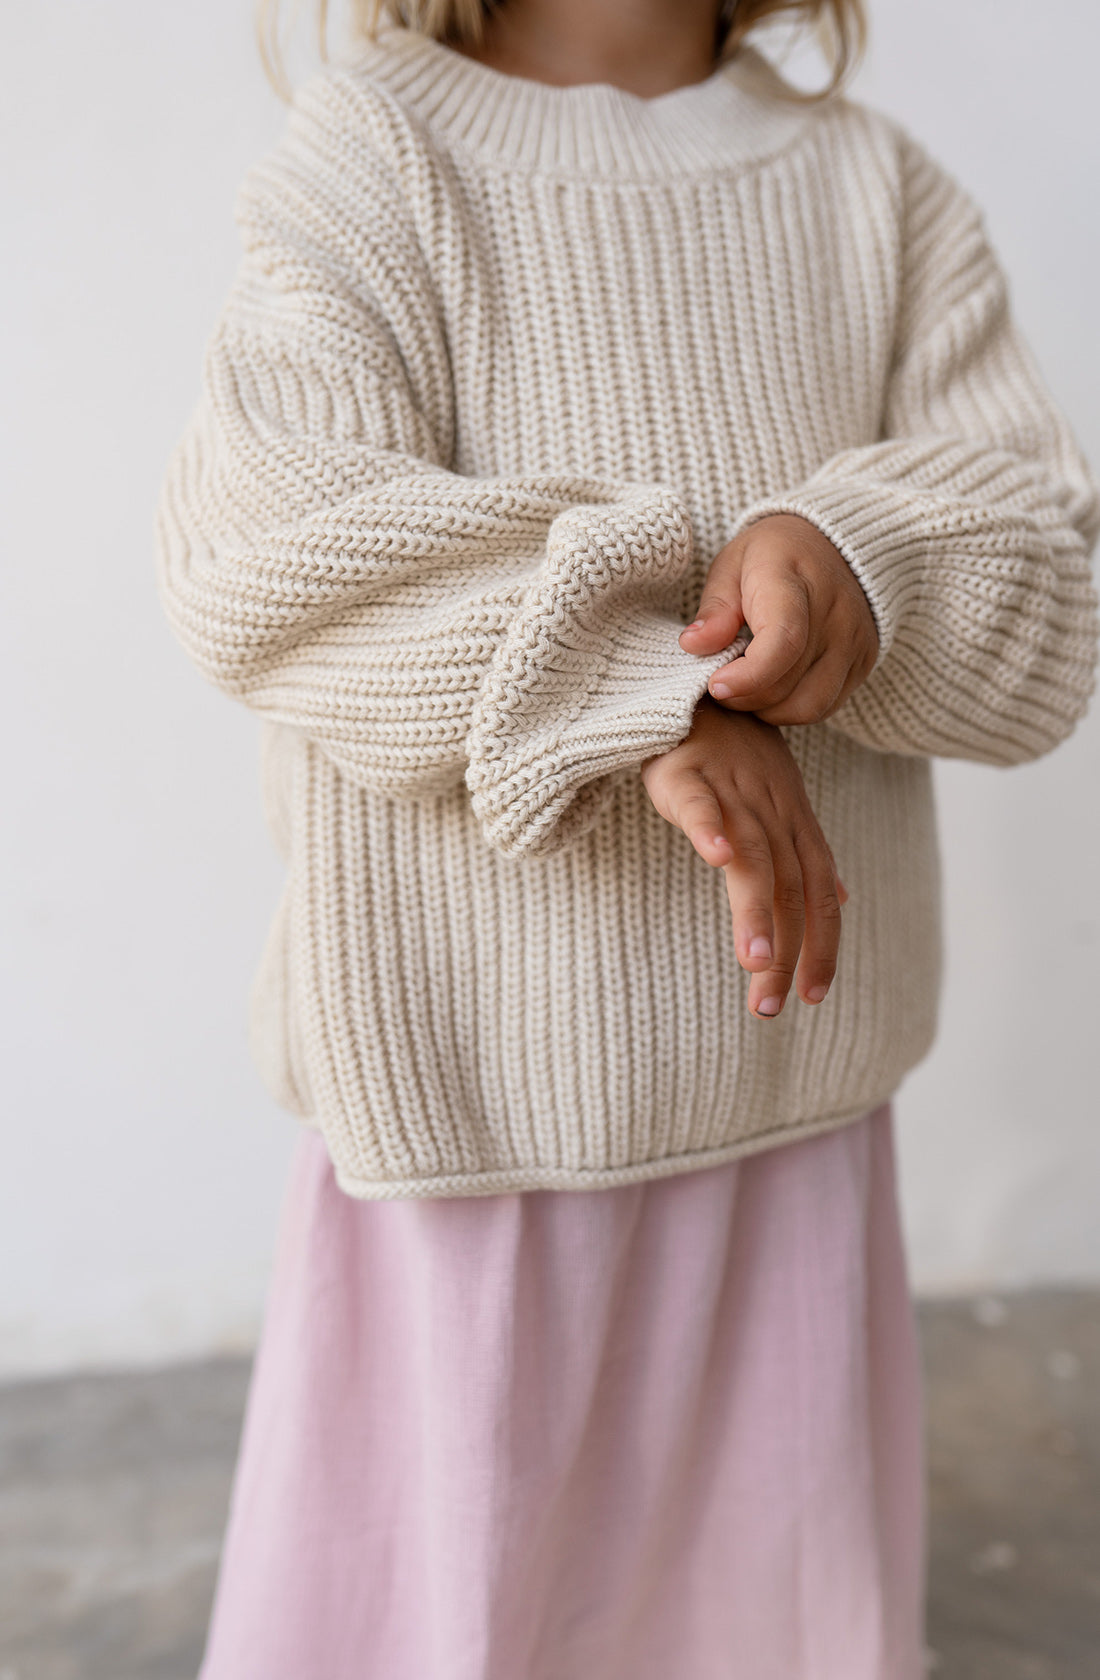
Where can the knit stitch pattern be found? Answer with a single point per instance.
(504, 367)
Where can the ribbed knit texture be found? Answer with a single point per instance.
(505, 366)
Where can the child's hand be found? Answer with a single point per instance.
(813, 632)
(737, 793)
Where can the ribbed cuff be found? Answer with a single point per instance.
(872, 526)
(591, 678)
(536, 788)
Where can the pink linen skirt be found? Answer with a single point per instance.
(666, 1431)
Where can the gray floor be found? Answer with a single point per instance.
(113, 1493)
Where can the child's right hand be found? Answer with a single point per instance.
(734, 788)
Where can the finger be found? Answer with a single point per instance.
(768, 990)
(817, 967)
(813, 697)
(750, 888)
(778, 654)
(694, 808)
(842, 892)
(720, 615)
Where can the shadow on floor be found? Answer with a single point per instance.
(113, 1494)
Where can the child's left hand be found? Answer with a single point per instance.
(813, 633)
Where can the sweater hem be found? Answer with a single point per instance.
(509, 1179)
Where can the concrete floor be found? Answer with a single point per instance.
(113, 1494)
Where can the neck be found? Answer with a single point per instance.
(645, 47)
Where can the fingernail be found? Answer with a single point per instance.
(696, 624)
(720, 691)
(816, 994)
(769, 1006)
(760, 948)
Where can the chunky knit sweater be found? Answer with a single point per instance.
(504, 367)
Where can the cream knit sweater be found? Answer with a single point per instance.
(504, 367)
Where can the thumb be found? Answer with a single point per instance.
(720, 614)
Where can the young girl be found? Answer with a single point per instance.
(563, 323)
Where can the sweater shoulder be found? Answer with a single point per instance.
(344, 113)
(348, 150)
(920, 181)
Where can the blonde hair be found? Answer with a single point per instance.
(841, 25)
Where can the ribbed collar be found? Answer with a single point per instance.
(736, 115)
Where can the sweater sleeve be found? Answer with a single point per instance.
(320, 562)
(969, 523)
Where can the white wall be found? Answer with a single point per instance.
(1001, 1126)
(142, 1162)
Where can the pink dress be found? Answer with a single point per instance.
(668, 1431)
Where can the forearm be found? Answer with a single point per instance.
(975, 565)
(423, 627)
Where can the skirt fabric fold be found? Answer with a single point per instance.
(667, 1431)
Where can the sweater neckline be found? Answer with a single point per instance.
(737, 114)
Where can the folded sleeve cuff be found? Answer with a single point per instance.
(875, 532)
(591, 678)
